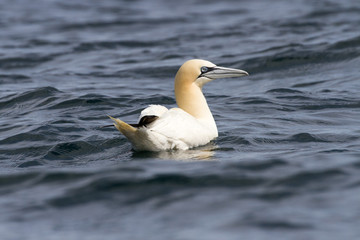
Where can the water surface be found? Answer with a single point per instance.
(286, 164)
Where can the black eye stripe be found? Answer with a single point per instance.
(205, 69)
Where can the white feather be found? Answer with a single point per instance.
(153, 110)
(174, 129)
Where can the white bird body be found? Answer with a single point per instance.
(188, 126)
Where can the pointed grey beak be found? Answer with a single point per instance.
(223, 72)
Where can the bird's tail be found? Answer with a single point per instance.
(123, 127)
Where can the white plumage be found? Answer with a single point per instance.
(188, 126)
(153, 110)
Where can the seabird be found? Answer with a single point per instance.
(188, 126)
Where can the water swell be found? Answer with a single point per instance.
(119, 23)
(137, 190)
(29, 96)
(28, 61)
(133, 185)
(50, 98)
(91, 46)
(286, 159)
(290, 55)
(14, 78)
(304, 179)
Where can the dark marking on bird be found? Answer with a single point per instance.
(145, 120)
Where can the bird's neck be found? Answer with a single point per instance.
(191, 99)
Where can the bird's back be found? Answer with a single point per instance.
(174, 129)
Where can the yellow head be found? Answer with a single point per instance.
(190, 79)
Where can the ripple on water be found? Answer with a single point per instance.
(14, 78)
(311, 181)
(28, 96)
(29, 61)
(300, 56)
(287, 156)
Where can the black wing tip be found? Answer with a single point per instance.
(145, 120)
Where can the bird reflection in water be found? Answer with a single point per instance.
(203, 153)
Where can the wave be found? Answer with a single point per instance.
(31, 98)
(14, 78)
(264, 180)
(290, 55)
(91, 46)
(120, 23)
(27, 61)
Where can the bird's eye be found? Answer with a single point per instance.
(204, 69)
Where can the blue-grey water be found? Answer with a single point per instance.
(286, 164)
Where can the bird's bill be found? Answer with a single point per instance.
(223, 72)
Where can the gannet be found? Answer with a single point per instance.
(188, 126)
